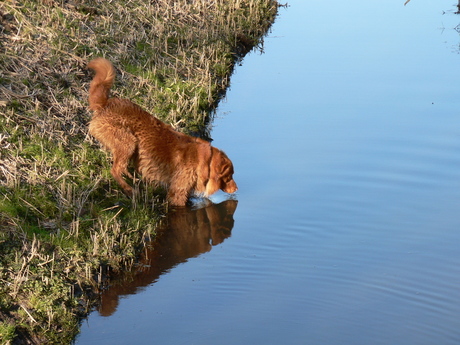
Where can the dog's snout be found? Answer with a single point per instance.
(231, 187)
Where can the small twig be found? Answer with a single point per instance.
(27, 118)
(41, 264)
(25, 309)
(32, 206)
(64, 174)
(406, 2)
(15, 95)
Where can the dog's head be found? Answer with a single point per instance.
(220, 173)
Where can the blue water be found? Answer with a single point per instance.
(345, 136)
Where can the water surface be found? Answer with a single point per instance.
(345, 136)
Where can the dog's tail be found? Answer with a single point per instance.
(102, 82)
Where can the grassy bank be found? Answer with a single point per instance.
(64, 223)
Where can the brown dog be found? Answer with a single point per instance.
(184, 164)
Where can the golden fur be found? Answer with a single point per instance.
(184, 164)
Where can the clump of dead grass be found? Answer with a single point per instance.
(62, 224)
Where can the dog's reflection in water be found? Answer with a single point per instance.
(185, 233)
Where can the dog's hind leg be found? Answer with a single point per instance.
(122, 144)
(122, 154)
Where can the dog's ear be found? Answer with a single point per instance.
(226, 181)
(213, 183)
(204, 165)
(226, 167)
